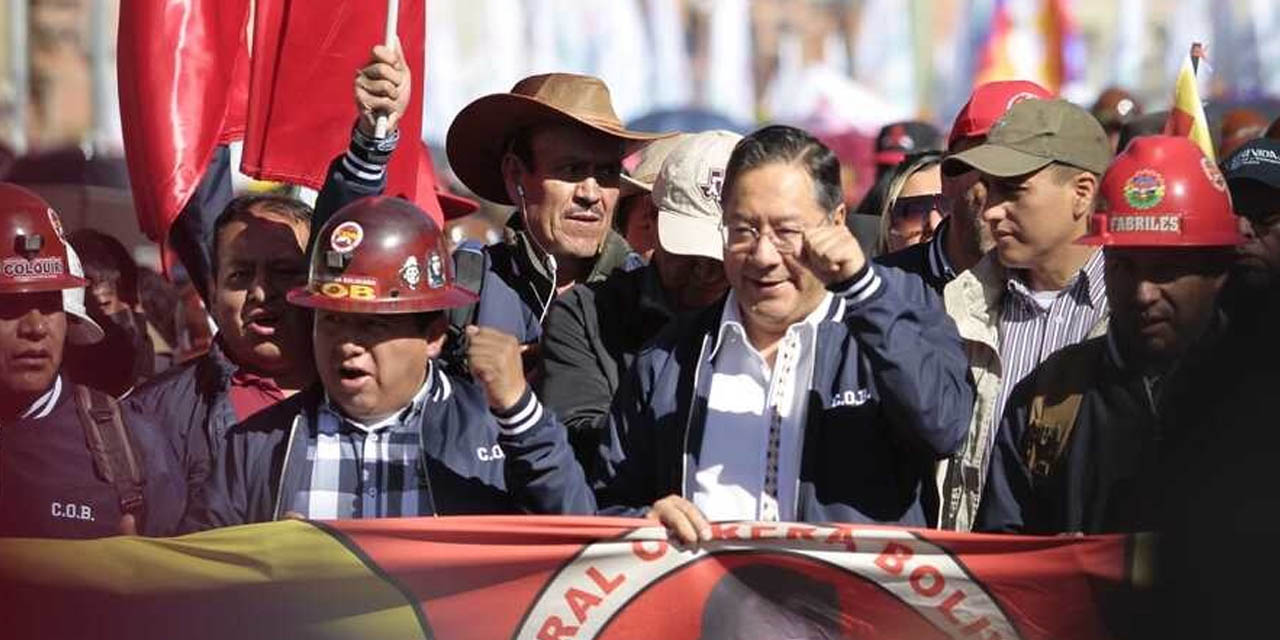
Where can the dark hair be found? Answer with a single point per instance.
(106, 260)
(788, 145)
(787, 600)
(520, 144)
(242, 207)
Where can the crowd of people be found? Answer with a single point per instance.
(1035, 324)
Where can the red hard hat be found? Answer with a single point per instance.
(1162, 191)
(380, 255)
(33, 251)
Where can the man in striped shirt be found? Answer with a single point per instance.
(1038, 290)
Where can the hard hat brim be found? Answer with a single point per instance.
(450, 297)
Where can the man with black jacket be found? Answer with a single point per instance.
(1081, 444)
(594, 331)
(823, 388)
(553, 148)
(386, 432)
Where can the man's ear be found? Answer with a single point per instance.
(1085, 188)
(837, 216)
(436, 334)
(513, 171)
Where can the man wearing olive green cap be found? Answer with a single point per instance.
(1037, 291)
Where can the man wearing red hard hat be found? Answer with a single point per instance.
(55, 484)
(1081, 437)
(387, 432)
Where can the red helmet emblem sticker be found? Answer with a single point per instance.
(1144, 189)
(346, 237)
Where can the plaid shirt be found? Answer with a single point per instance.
(367, 471)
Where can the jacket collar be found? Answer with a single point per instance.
(973, 300)
(216, 368)
(435, 388)
(831, 309)
(41, 407)
(613, 253)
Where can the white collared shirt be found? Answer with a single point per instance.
(745, 393)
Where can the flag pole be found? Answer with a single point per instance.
(389, 39)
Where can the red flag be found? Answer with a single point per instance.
(305, 55)
(183, 77)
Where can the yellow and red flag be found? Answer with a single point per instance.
(552, 578)
(1186, 117)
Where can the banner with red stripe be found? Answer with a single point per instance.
(550, 578)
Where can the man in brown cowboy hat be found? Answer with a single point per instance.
(553, 148)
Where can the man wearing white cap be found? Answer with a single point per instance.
(636, 215)
(594, 331)
(54, 484)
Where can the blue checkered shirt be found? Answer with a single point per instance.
(367, 471)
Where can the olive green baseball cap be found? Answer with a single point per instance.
(1034, 133)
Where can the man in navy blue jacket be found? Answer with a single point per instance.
(822, 389)
(52, 482)
(255, 248)
(387, 433)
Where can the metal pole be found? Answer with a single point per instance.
(389, 38)
(19, 72)
(100, 76)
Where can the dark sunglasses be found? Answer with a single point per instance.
(920, 205)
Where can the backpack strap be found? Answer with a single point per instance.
(468, 272)
(1059, 391)
(115, 455)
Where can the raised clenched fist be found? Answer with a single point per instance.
(495, 361)
(831, 252)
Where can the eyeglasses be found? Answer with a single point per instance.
(907, 206)
(741, 237)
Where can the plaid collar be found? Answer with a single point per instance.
(401, 417)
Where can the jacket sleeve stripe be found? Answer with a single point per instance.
(526, 413)
(860, 287)
(354, 168)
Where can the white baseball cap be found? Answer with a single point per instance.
(687, 194)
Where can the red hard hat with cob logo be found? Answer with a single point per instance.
(380, 255)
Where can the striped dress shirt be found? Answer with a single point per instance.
(1030, 333)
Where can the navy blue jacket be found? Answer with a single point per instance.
(192, 406)
(266, 459)
(49, 487)
(889, 397)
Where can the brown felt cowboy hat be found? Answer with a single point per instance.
(480, 133)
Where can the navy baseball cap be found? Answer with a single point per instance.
(1257, 160)
(1253, 176)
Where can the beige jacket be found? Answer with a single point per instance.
(973, 300)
